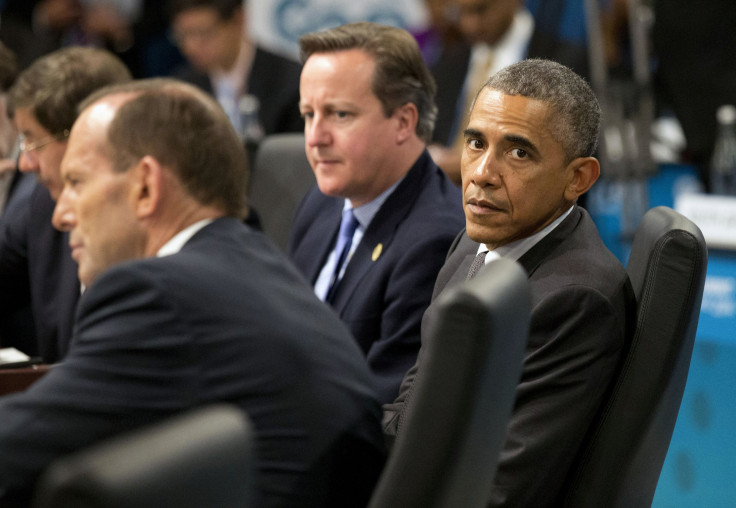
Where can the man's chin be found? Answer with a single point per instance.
(87, 275)
(479, 233)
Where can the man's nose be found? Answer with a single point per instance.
(28, 163)
(63, 218)
(487, 170)
(316, 132)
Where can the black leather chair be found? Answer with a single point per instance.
(280, 178)
(624, 452)
(446, 452)
(199, 459)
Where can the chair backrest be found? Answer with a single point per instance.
(624, 452)
(280, 178)
(447, 451)
(200, 458)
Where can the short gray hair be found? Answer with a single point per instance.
(575, 112)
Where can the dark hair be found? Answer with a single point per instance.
(8, 68)
(224, 8)
(53, 86)
(400, 76)
(185, 130)
(575, 112)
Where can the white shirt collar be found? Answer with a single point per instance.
(237, 76)
(515, 250)
(366, 212)
(178, 241)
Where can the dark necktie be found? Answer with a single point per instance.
(344, 240)
(478, 263)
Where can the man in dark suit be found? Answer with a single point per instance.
(225, 62)
(527, 158)
(367, 100)
(185, 305)
(36, 268)
(16, 325)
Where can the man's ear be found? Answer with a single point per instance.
(407, 117)
(146, 186)
(583, 171)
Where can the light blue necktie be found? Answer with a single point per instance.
(344, 240)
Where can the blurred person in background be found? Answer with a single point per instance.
(36, 268)
(134, 30)
(225, 62)
(13, 183)
(496, 33)
(16, 325)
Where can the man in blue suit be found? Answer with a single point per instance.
(368, 104)
(185, 305)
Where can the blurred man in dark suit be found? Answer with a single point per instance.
(185, 305)
(527, 158)
(224, 61)
(12, 181)
(373, 233)
(16, 325)
(36, 268)
(495, 33)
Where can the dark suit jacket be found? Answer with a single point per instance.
(225, 319)
(36, 269)
(583, 314)
(20, 188)
(274, 80)
(382, 300)
(16, 324)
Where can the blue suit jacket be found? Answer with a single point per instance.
(37, 270)
(382, 300)
(226, 319)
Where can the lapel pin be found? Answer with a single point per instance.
(377, 252)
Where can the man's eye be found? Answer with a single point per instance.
(307, 114)
(519, 153)
(342, 114)
(475, 144)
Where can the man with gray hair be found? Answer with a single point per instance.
(527, 157)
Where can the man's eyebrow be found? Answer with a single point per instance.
(521, 141)
(473, 133)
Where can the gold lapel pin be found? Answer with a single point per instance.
(377, 252)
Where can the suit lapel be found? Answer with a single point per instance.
(377, 239)
(534, 256)
(456, 268)
(326, 225)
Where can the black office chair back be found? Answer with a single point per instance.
(446, 453)
(621, 462)
(280, 178)
(199, 459)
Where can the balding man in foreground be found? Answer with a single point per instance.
(185, 305)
